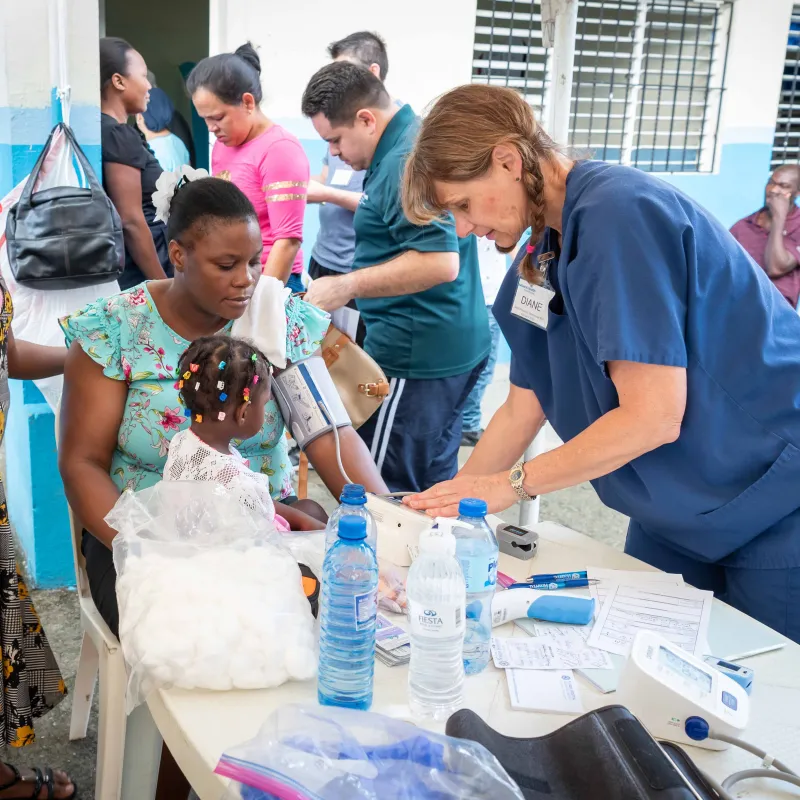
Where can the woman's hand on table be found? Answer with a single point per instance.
(442, 500)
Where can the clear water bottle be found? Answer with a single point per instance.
(353, 502)
(348, 608)
(436, 605)
(477, 551)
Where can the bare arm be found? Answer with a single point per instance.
(409, 273)
(513, 427)
(87, 447)
(320, 193)
(280, 259)
(777, 259)
(125, 189)
(652, 402)
(30, 362)
(356, 459)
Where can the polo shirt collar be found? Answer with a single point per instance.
(395, 130)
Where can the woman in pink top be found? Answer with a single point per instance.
(265, 161)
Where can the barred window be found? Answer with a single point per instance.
(786, 146)
(648, 77)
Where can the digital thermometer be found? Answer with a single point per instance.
(679, 697)
(547, 606)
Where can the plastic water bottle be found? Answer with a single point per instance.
(348, 609)
(477, 551)
(436, 606)
(354, 503)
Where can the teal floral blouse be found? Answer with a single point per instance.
(126, 336)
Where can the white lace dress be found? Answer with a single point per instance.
(191, 459)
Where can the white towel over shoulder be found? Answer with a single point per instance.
(264, 322)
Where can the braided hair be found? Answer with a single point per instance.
(241, 368)
(456, 143)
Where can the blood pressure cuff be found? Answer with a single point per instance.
(308, 400)
(605, 754)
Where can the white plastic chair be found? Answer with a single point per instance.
(100, 653)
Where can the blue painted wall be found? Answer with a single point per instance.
(37, 506)
(736, 189)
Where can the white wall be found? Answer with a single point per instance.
(756, 56)
(429, 43)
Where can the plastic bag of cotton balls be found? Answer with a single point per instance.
(197, 614)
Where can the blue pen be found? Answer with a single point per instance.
(550, 586)
(560, 576)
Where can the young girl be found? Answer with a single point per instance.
(224, 386)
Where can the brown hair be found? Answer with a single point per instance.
(456, 142)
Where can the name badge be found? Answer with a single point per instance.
(341, 177)
(531, 303)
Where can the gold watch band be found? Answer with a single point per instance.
(517, 483)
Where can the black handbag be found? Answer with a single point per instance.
(66, 236)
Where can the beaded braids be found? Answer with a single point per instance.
(456, 142)
(219, 373)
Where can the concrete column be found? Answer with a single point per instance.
(30, 39)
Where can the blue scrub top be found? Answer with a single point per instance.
(644, 274)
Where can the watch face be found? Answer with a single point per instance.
(516, 475)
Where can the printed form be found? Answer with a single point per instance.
(679, 614)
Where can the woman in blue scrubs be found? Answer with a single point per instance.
(664, 359)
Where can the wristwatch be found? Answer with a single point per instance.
(515, 477)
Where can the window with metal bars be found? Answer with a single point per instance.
(786, 146)
(647, 82)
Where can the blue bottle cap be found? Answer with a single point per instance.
(353, 494)
(352, 528)
(472, 507)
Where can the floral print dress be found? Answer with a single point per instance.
(126, 336)
(31, 681)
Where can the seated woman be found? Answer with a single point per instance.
(120, 406)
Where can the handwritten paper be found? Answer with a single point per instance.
(554, 690)
(545, 653)
(679, 614)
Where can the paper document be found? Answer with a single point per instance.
(608, 578)
(565, 635)
(388, 636)
(346, 320)
(550, 690)
(679, 614)
(546, 653)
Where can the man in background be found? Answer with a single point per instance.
(493, 266)
(772, 234)
(417, 288)
(338, 186)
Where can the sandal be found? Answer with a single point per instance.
(42, 780)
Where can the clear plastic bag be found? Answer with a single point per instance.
(36, 312)
(392, 589)
(318, 753)
(208, 596)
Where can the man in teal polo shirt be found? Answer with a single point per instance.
(418, 289)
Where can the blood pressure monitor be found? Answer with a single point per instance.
(679, 697)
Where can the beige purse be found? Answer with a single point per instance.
(358, 378)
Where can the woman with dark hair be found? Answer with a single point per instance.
(123, 364)
(154, 124)
(263, 159)
(130, 170)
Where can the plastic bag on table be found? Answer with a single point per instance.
(208, 596)
(316, 753)
(392, 589)
(36, 312)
